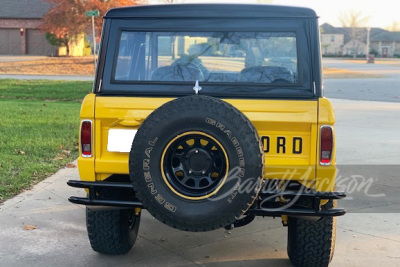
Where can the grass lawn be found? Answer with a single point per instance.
(38, 130)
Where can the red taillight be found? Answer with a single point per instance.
(326, 145)
(86, 138)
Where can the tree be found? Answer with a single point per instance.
(54, 41)
(355, 20)
(395, 27)
(66, 18)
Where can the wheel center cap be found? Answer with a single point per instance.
(199, 160)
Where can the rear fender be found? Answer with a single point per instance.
(86, 165)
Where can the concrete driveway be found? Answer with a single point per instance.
(367, 134)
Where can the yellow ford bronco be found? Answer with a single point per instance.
(208, 116)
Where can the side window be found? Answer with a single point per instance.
(124, 59)
(131, 57)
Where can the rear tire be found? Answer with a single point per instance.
(112, 231)
(311, 243)
(196, 163)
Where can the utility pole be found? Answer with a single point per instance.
(94, 43)
(93, 13)
(368, 42)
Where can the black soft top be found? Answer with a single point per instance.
(210, 11)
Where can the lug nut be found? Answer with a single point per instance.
(196, 151)
(203, 172)
(190, 171)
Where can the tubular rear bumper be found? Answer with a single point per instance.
(93, 200)
(264, 206)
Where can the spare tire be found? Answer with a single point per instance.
(196, 163)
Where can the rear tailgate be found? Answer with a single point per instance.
(288, 129)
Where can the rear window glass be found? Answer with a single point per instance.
(215, 57)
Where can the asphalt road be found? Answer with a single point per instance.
(372, 89)
(385, 89)
(10, 58)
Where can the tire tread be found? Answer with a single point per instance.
(311, 244)
(109, 231)
(216, 106)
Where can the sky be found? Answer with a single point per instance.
(382, 13)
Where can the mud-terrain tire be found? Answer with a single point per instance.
(312, 243)
(112, 231)
(181, 157)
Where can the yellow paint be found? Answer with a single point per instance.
(284, 219)
(137, 211)
(272, 118)
(86, 165)
(326, 175)
(87, 107)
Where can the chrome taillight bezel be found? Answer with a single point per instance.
(320, 145)
(91, 139)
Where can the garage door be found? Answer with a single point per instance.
(36, 44)
(10, 42)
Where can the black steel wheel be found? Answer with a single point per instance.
(194, 164)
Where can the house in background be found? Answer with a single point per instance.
(386, 43)
(342, 41)
(19, 30)
(332, 40)
(354, 47)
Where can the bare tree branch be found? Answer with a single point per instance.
(353, 18)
